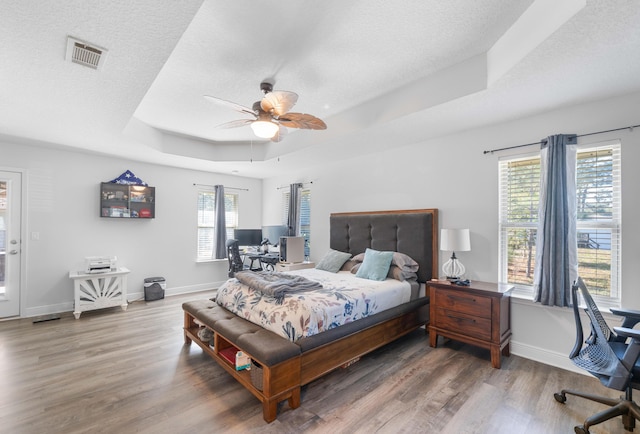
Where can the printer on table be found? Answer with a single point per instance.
(100, 264)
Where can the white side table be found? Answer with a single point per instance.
(99, 290)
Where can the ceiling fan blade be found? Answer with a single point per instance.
(278, 102)
(229, 104)
(302, 120)
(282, 132)
(235, 124)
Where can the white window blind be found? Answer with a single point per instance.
(599, 214)
(598, 219)
(519, 198)
(206, 221)
(305, 216)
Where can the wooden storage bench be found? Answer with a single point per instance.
(278, 357)
(287, 366)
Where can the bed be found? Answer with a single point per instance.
(283, 364)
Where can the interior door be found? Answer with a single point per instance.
(10, 243)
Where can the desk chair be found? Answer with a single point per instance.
(609, 355)
(233, 254)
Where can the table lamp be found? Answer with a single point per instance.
(452, 240)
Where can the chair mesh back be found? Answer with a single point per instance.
(596, 356)
(233, 253)
(593, 311)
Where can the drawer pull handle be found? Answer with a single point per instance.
(454, 298)
(457, 318)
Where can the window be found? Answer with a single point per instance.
(206, 221)
(598, 225)
(305, 217)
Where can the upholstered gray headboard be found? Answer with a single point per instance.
(412, 232)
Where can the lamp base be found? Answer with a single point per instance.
(453, 268)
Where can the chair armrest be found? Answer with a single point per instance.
(627, 333)
(632, 350)
(631, 317)
(626, 313)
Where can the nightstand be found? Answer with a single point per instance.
(286, 266)
(478, 314)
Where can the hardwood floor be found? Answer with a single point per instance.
(124, 372)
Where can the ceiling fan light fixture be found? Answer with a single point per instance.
(271, 116)
(264, 129)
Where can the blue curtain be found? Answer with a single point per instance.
(220, 232)
(556, 246)
(293, 218)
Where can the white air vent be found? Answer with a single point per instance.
(85, 53)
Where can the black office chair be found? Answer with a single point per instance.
(609, 355)
(233, 254)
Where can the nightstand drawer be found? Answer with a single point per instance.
(458, 301)
(459, 322)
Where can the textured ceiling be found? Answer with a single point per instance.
(366, 67)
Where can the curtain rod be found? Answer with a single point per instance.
(230, 188)
(579, 135)
(286, 186)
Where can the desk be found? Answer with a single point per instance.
(266, 261)
(99, 290)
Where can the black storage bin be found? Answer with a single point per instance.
(154, 288)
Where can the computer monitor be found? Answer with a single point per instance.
(273, 233)
(248, 237)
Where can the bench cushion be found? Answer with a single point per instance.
(194, 306)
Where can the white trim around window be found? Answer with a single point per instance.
(206, 219)
(598, 226)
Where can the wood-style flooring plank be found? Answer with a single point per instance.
(129, 372)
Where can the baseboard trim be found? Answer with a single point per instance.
(48, 309)
(131, 296)
(194, 288)
(139, 295)
(552, 358)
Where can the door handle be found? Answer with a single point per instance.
(13, 252)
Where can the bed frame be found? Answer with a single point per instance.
(286, 366)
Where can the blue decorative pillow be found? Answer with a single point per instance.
(333, 261)
(375, 265)
(406, 263)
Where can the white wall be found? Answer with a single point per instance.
(452, 174)
(63, 208)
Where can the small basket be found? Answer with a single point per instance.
(206, 335)
(256, 375)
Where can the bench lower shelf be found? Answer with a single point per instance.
(272, 391)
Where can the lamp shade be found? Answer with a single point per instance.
(455, 240)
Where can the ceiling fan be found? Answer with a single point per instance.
(271, 115)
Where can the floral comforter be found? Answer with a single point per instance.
(343, 298)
